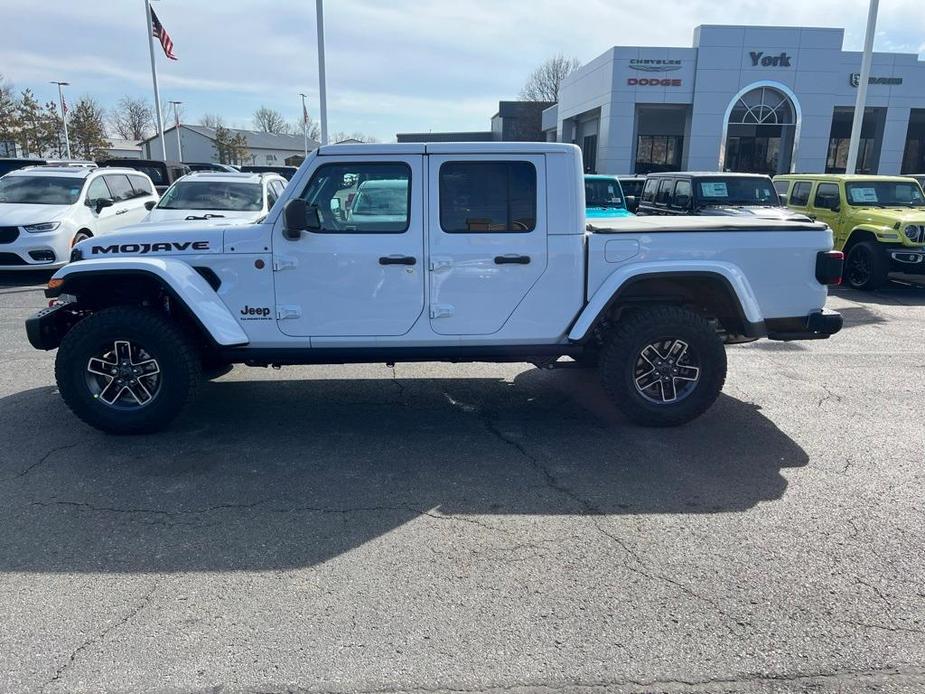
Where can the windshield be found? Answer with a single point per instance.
(737, 191)
(40, 190)
(386, 200)
(602, 192)
(213, 195)
(885, 194)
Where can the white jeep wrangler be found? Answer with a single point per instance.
(430, 252)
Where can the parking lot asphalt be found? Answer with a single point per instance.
(475, 527)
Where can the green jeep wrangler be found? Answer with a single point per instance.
(878, 221)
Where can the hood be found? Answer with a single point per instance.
(193, 238)
(163, 215)
(18, 214)
(888, 216)
(755, 212)
(610, 212)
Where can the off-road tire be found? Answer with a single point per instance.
(622, 352)
(176, 357)
(879, 266)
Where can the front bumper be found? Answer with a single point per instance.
(910, 261)
(46, 327)
(818, 325)
(34, 251)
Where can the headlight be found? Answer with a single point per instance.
(44, 226)
(915, 233)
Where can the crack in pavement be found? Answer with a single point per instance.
(131, 614)
(41, 461)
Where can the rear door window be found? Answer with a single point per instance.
(665, 187)
(800, 195)
(487, 196)
(120, 187)
(141, 185)
(682, 195)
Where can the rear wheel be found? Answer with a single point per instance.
(866, 267)
(127, 370)
(663, 366)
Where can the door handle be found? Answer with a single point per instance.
(121, 211)
(512, 260)
(398, 260)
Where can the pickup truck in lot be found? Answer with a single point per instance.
(475, 252)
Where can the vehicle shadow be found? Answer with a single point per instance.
(265, 475)
(907, 292)
(25, 278)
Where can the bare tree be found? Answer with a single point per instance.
(132, 119)
(358, 136)
(9, 120)
(543, 83)
(268, 120)
(212, 120)
(299, 127)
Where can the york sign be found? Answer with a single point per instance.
(762, 60)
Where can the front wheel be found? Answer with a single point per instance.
(127, 370)
(866, 267)
(663, 366)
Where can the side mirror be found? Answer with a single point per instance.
(683, 202)
(299, 216)
(102, 203)
(150, 205)
(783, 199)
(632, 203)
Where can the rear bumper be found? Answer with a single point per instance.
(818, 325)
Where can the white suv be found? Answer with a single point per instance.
(243, 197)
(44, 210)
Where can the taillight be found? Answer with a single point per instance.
(829, 266)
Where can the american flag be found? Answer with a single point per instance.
(160, 33)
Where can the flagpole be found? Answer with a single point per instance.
(323, 99)
(304, 124)
(157, 94)
(854, 144)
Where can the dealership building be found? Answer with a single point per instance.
(761, 99)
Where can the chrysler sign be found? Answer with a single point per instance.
(655, 65)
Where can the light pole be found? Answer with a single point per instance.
(176, 114)
(67, 140)
(304, 124)
(322, 92)
(860, 104)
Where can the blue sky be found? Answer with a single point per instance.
(393, 65)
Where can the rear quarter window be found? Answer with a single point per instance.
(648, 193)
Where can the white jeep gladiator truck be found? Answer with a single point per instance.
(430, 252)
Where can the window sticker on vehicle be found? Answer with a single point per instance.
(863, 194)
(714, 189)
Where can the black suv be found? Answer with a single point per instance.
(714, 194)
(161, 173)
(632, 190)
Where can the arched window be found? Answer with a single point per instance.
(762, 106)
